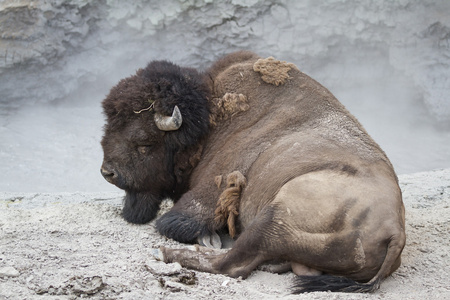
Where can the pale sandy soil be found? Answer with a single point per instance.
(66, 246)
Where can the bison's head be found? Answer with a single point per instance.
(156, 121)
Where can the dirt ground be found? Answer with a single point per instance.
(68, 246)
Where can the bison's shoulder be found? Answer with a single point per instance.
(231, 59)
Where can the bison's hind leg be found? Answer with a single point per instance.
(210, 260)
(247, 253)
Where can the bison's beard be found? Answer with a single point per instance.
(140, 208)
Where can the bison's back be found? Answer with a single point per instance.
(251, 108)
(289, 127)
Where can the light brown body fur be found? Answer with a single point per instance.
(320, 192)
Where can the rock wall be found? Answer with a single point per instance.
(50, 49)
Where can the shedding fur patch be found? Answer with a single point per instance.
(227, 106)
(218, 181)
(228, 204)
(360, 256)
(273, 71)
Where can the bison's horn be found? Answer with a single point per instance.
(165, 123)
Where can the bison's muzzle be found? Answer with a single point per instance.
(111, 175)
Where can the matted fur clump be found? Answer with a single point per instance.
(273, 71)
(228, 106)
(228, 204)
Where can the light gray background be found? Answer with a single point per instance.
(387, 61)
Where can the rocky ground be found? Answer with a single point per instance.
(65, 246)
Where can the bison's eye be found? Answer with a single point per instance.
(144, 149)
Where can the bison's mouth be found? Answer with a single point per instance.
(140, 207)
(112, 176)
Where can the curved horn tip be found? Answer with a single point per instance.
(171, 123)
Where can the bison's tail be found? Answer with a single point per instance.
(323, 283)
(305, 284)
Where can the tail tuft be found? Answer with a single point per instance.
(323, 283)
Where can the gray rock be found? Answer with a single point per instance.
(9, 272)
(70, 43)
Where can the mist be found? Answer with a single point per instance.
(388, 62)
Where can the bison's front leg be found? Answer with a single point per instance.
(210, 241)
(182, 227)
(197, 218)
(190, 221)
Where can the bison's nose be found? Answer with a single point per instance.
(108, 174)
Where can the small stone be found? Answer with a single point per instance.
(173, 286)
(8, 272)
(162, 269)
(87, 285)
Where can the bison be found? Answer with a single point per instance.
(257, 148)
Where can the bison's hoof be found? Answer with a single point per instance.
(210, 241)
(157, 254)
